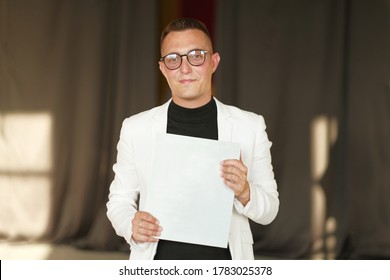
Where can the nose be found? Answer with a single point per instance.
(185, 66)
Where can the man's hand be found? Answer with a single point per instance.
(234, 173)
(145, 227)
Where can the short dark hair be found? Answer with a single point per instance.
(182, 24)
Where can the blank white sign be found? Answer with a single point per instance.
(187, 194)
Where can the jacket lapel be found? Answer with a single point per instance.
(224, 125)
(158, 125)
(161, 118)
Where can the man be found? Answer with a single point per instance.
(188, 62)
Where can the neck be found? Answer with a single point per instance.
(191, 104)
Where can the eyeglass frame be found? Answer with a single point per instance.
(181, 58)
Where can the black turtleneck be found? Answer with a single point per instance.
(199, 122)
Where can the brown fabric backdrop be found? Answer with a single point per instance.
(89, 64)
(78, 68)
(297, 62)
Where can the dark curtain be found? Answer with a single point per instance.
(318, 71)
(87, 65)
(368, 131)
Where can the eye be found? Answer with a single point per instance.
(171, 58)
(196, 55)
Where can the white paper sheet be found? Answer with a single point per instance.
(187, 194)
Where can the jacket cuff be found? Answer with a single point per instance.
(140, 245)
(241, 209)
(250, 209)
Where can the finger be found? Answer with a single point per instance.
(148, 232)
(141, 234)
(231, 177)
(228, 169)
(147, 226)
(144, 238)
(239, 186)
(233, 174)
(145, 216)
(232, 186)
(235, 163)
(145, 221)
(233, 181)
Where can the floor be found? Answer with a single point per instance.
(45, 251)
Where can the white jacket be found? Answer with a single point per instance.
(134, 163)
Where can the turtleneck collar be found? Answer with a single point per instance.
(193, 115)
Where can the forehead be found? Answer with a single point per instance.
(184, 41)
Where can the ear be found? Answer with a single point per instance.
(163, 69)
(215, 58)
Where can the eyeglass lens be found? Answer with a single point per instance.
(195, 58)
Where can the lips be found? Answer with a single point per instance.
(187, 81)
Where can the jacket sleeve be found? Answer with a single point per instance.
(264, 197)
(124, 189)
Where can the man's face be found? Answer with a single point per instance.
(190, 85)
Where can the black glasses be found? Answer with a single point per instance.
(195, 57)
